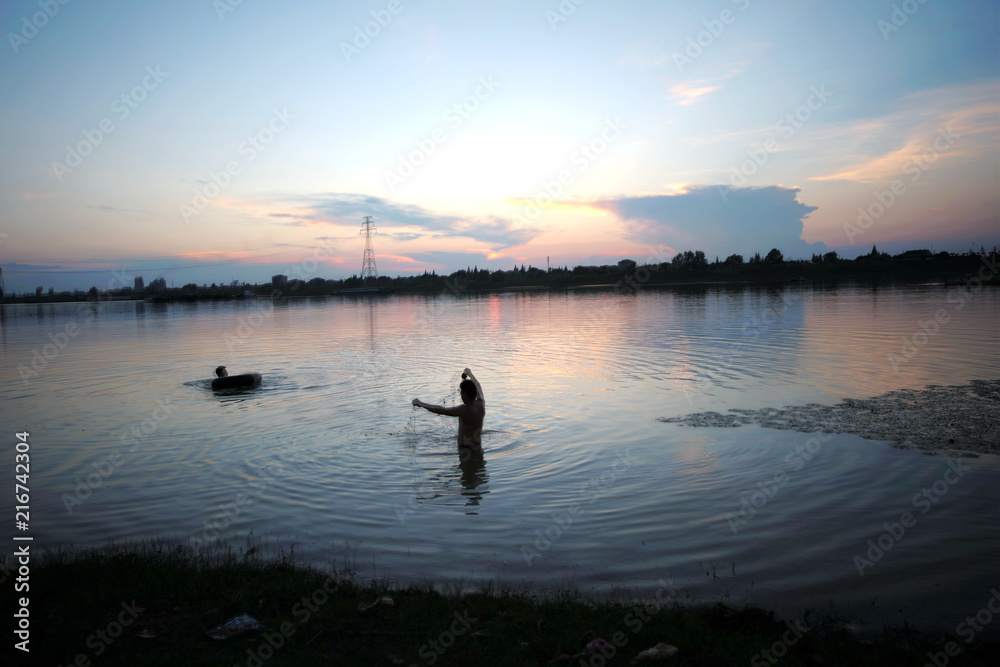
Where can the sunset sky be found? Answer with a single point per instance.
(215, 141)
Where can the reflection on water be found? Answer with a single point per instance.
(130, 442)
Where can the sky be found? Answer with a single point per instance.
(210, 141)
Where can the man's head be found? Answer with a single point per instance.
(221, 372)
(468, 390)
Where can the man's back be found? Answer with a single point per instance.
(470, 424)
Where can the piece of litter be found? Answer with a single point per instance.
(234, 626)
(384, 600)
(656, 653)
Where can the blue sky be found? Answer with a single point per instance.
(232, 141)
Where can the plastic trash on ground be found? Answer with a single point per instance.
(658, 652)
(384, 600)
(234, 626)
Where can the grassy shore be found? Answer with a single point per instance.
(154, 603)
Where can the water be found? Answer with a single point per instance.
(580, 485)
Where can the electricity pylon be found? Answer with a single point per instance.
(368, 268)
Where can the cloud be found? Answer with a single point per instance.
(348, 209)
(446, 262)
(105, 207)
(686, 94)
(954, 123)
(720, 220)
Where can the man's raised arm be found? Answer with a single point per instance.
(479, 387)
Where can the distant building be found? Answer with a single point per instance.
(38, 290)
(279, 280)
(139, 284)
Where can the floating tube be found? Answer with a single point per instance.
(227, 381)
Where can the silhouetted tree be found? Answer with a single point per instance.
(774, 257)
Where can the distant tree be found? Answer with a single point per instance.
(92, 293)
(830, 256)
(734, 260)
(774, 257)
(689, 260)
(816, 258)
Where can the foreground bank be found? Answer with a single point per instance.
(157, 604)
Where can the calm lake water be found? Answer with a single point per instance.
(580, 486)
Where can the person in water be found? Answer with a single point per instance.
(221, 372)
(470, 414)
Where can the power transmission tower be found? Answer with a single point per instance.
(368, 268)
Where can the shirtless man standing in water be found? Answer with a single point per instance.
(470, 414)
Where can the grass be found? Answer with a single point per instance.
(152, 604)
